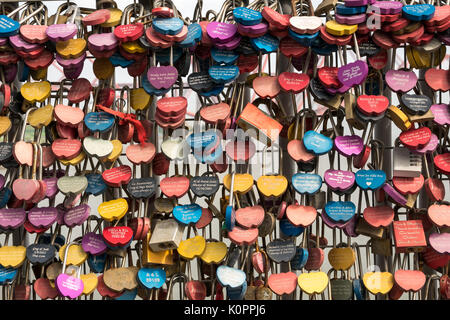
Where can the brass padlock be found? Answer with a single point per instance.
(362, 227)
(151, 257)
(382, 247)
(166, 235)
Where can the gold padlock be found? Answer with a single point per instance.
(150, 257)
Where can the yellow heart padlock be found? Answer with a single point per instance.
(116, 152)
(72, 48)
(214, 252)
(336, 29)
(114, 18)
(313, 282)
(74, 161)
(272, 186)
(378, 282)
(133, 47)
(36, 91)
(192, 247)
(113, 209)
(139, 99)
(12, 256)
(41, 117)
(243, 182)
(341, 258)
(5, 125)
(399, 118)
(90, 282)
(103, 68)
(75, 255)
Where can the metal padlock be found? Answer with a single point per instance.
(406, 163)
(166, 235)
(362, 227)
(151, 257)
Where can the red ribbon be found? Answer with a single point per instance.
(128, 117)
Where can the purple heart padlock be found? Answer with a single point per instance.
(353, 19)
(349, 228)
(61, 32)
(256, 29)
(70, 63)
(332, 224)
(339, 180)
(230, 45)
(18, 43)
(430, 147)
(221, 32)
(349, 145)
(401, 81)
(69, 286)
(388, 7)
(52, 187)
(394, 194)
(42, 217)
(353, 74)
(77, 215)
(12, 218)
(440, 242)
(73, 73)
(103, 41)
(93, 243)
(441, 113)
(333, 91)
(162, 77)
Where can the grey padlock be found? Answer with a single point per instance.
(406, 163)
(166, 235)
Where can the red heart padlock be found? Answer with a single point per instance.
(415, 138)
(174, 186)
(115, 177)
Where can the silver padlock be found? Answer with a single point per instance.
(406, 163)
(166, 235)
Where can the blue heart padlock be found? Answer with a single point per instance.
(127, 295)
(230, 277)
(224, 56)
(187, 213)
(170, 26)
(289, 229)
(340, 211)
(418, 12)
(223, 74)
(237, 293)
(201, 140)
(118, 60)
(317, 143)
(308, 183)
(350, 11)
(304, 39)
(152, 90)
(266, 43)
(99, 121)
(7, 275)
(370, 179)
(193, 37)
(151, 277)
(96, 184)
(300, 259)
(97, 263)
(5, 195)
(246, 16)
(8, 26)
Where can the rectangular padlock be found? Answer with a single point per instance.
(362, 227)
(166, 235)
(268, 129)
(409, 235)
(151, 257)
(406, 163)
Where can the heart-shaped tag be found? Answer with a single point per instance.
(370, 179)
(118, 236)
(353, 73)
(34, 33)
(340, 210)
(113, 209)
(192, 247)
(300, 215)
(44, 289)
(266, 87)
(12, 218)
(151, 278)
(187, 214)
(317, 143)
(141, 153)
(341, 258)
(440, 242)
(410, 280)
(117, 176)
(416, 138)
(272, 186)
(42, 217)
(12, 256)
(438, 214)
(401, 81)
(241, 236)
(250, 217)
(442, 162)
(378, 282)
(75, 255)
(381, 216)
(313, 282)
(93, 244)
(68, 286)
(174, 186)
(340, 180)
(438, 79)
(408, 185)
(298, 152)
(72, 185)
(282, 283)
(66, 149)
(36, 91)
(214, 252)
(162, 77)
(230, 277)
(372, 105)
(293, 82)
(306, 183)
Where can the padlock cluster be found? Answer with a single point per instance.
(345, 212)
